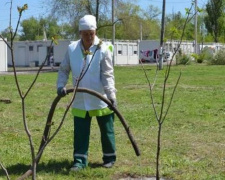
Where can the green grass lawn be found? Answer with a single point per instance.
(193, 137)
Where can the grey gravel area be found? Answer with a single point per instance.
(28, 70)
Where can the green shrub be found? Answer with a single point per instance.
(183, 59)
(208, 53)
(199, 58)
(219, 58)
(205, 55)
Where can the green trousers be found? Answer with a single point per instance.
(82, 134)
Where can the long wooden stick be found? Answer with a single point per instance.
(98, 95)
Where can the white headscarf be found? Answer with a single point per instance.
(88, 22)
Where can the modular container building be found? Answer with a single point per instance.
(3, 56)
(33, 53)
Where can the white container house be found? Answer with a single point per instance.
(3, 56)
(33, 53)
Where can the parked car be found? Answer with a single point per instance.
(168, 56)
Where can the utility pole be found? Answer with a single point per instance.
(196, 26)
(113, 29)
(141, 31)
(162, 35)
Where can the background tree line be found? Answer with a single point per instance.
(130, 20)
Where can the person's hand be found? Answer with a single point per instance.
(114, 103)
(61, 91)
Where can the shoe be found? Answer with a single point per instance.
(75, 168)
(108, 164)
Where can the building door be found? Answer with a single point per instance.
(50, 51)
(20, 60)
(42, 55)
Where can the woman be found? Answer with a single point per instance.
(90, 54)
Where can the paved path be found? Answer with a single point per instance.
(29, 70)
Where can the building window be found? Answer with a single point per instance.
(119, 52)
(135, 51)
(31, 48)
(119, 48)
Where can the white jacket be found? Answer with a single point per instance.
(99, 76)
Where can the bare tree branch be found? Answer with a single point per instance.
(107, 25)
(169, 65)
(39, 70)
(151, 90)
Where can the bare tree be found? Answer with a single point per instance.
(161, 114)
(22, 94)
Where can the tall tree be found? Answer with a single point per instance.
(214, 19)
(128, 15)
(173, 25)
(132, 18)
(149, 21)
(67, 31)
(74, 10)
(152, 12)
(30, 29)
(33, 29)
(50, 26)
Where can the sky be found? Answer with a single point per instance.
(38, 8)
(35, 9)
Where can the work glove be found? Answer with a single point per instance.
(61, 91)
(114, 103)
